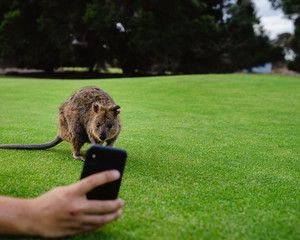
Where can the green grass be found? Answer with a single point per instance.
(209, 156)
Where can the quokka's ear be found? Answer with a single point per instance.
(96, 107)
(115, 108)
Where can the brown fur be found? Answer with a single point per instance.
(79, 115)
(88, 115)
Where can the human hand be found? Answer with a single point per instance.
(66, 211)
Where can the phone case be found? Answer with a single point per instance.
(100, 158)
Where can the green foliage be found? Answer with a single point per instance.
(292, 8)
(34, 34)
(245, 48)
(209, 156)
(181, 36)
(295, 45)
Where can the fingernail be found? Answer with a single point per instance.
(116, 174)
(119, 213)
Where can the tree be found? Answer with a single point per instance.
(292, 9)
(29, 36)
(284, 40)
(245, 43)
(201, 35)
(295, 45)
(159, 36)
(141, 37)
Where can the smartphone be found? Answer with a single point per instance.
(100, 158)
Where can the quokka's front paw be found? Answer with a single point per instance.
(79, 157)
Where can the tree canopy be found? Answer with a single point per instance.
(179, 36)
(292, 9)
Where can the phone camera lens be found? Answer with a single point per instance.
(94, 156)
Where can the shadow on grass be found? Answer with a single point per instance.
(69, 74)
(62, 75)
(109, 231)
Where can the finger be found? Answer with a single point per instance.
(102, 207)
(90, 182)
(93, 222)
(102, 219)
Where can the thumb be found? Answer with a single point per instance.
(87, 184)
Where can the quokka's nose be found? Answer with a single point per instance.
(103, 136)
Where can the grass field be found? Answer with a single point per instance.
(209, 156)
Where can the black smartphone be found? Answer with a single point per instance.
(100, 158)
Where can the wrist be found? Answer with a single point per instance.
(25, 222)
(31, 219)
(15, 216)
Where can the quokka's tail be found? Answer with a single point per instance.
(41, 146)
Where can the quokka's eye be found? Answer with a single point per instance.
(98, 125)
(109, 125)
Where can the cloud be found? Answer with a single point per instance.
(272, 20)
(263, 8)
(277, 24)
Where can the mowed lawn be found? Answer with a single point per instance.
(209, 156)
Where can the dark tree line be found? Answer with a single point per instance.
(179, 36)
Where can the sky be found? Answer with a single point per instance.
(274, 21)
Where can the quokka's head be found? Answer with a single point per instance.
(106, 122)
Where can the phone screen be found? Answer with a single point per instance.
(98, 159)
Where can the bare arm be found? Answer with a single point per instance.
(63, 211)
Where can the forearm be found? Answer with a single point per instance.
(15, 216)
(63, 211)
